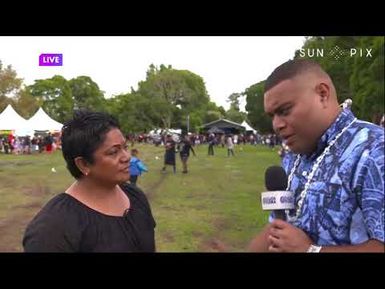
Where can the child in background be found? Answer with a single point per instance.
(136, 167)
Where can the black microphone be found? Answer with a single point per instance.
(277, 198)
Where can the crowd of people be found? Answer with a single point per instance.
(11, 144)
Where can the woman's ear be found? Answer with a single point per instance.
(82, 165)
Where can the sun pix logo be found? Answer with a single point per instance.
(51, 59)
(337, 52)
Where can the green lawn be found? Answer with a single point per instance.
(215, 206)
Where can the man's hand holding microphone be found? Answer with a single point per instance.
(279, 234)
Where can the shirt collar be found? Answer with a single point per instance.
(343, 120)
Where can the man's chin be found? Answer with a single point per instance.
(295, 149)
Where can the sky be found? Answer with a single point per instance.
(226, 64)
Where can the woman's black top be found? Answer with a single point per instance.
(67, 225)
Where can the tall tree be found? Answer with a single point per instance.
(255, 108)
(10, 85)
(26, 104)
(174, 93)
(234, 113)
(367, 80)
(86, 93)
(56, 95)
(135, 113)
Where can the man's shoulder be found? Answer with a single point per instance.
(368, 134)
(371, 128)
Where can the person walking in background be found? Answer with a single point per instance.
(137, 167)
(230, 146)
(169, 154)
(184, 148)
(212, 142)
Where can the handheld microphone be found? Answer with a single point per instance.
(277, 198)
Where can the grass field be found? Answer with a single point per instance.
(216, 206)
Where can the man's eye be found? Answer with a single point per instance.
(285, 111)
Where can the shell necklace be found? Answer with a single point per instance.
(312, 172)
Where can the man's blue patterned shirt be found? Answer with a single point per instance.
(345, 201)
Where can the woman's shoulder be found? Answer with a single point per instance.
(61, 204)
(60, 211)
(56, 227)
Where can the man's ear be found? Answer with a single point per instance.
(82, 165)
(323, 90)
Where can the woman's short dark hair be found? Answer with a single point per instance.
(82, 135)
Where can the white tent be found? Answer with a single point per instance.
(248, 127)
(42, 121)
(11, 120)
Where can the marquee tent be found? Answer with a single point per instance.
(11, 120)
(41, 121)
(248, 127)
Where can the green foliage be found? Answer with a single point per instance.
(175, 94)
(367, 81)
(56, 95)
(26, 104)
(10, 85)
(86, 94)
(255, 108)
(234, 114)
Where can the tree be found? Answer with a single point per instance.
(234, 114)
(212, 112)
(26, 104)
(234, 100)
(255, 108)
(174, 93)
(367, 81)
(56, 95)
(134, 112)
(10, 85)
(86, 94)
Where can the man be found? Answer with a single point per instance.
(184, 148)
(335, 167)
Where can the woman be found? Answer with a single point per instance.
(169, 155)
(99, 212)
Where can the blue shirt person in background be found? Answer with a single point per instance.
(137, 167)
(335, 167)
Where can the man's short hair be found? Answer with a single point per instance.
(291, 69)
(82, 135)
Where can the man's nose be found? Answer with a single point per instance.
(278, 123)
